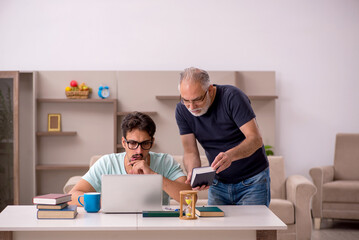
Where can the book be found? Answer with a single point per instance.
(202, 176)
(68, 212)
(209, 212)
(47, 206)
(52, 198)
(160, 214)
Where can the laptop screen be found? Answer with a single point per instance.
(131, 193)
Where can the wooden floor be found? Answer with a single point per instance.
(337, 230)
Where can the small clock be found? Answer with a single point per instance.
(103, 92)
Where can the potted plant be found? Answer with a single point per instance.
(268, 149)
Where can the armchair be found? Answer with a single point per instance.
(338, 184)
(290, 200)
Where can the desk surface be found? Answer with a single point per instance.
(23, 218)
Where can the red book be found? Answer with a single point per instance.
(52, 198)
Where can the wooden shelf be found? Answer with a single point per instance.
(252, 97)
(262, 97)
(41, 167)
(67, 100)
(40, 134)
(168, 97)
(125, 113)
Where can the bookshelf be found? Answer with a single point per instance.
(58, 153)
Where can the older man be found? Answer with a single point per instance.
(138, 131)
(221, 118)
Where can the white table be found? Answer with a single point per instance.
(240, 222)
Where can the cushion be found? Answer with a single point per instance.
(277, 175)
(284, 209)
(341, 191)
(346, 157)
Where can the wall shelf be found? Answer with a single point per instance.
(125, 113)
(41, 134)
(44, 167)
(252, 97)
(66, 100)
(168, 97)
(262, 97)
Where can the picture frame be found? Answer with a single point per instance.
(54, 122)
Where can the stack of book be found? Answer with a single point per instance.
(55, 206)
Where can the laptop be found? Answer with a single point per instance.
(131, 193)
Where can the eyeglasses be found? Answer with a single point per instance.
(195, 101)
(133, 145)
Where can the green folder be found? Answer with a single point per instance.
(160, 214)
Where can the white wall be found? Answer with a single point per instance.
(312, 45)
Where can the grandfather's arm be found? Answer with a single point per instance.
(246, 148)
(191, 157)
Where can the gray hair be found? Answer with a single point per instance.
(195, 75)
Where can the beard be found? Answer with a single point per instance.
(197, 112)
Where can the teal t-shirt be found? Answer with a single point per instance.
(114, 164)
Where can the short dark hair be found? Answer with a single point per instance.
(140, 121)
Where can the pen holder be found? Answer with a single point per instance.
(188, 198)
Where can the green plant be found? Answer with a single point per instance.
(269, 151)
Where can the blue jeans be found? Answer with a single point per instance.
(251, 191)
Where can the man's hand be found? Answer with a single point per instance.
(140, 167)
(198, 188)
(189, 177)
(221, 162)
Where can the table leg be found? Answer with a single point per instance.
(266, 234)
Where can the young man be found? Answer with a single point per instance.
(221, 118)
(138, 131)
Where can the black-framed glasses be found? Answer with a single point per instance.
(133, 145)
(194, 101)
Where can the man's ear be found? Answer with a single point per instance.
(153, 142)
(123, 142)
(211, 88)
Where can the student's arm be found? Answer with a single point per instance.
(172, 188)
(246, 148)
(79, 189)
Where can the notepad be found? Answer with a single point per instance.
(160, 214)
